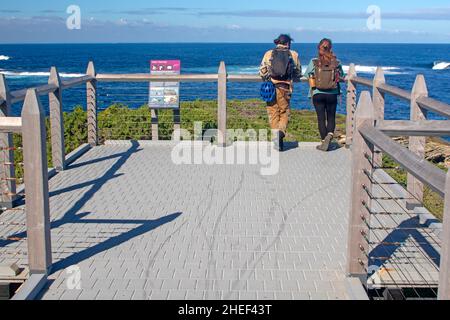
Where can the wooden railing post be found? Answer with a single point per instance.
(176, 125)
(357, 261)
(91, 92)
(155, 125)
(444, 269)
(417, 144)
(351, 105)
(7, 170)
(57, 122)
(36, 184)
(222, 106)
(378, 104)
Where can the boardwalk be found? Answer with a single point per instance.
(140, 227)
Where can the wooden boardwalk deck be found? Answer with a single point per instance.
(133, 225)
(138, 226)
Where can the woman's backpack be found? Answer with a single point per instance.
(326, 75)
(281, 65)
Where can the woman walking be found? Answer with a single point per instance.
(325, 74)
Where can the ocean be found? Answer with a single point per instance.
(28, 65)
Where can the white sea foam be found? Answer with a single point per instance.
(441, 66)
(373, 69)
(4, 58)
(14, 74)
(255, 69)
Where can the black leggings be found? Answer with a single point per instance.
(325, 105)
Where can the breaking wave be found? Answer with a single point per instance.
(4, 58)
(441, 65)
(255, 69)
(14, 74)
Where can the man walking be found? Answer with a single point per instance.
(282, 67)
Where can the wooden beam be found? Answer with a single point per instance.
(19, 95)
(56, 122)
(435, 106)
(144, 77)
(444, 269)
(222, 106)
(36, 184)
(357, 246)
(8, 186)
(422, 128)
(76, 81)
(251, 78)
(91, 94)
(147, 77)
(417, 166)
(417, 144)
(363, 81)
(10, 125)
(351, 105)
(396, 92)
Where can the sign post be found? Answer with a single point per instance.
(164, 95)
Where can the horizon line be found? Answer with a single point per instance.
(223, 42)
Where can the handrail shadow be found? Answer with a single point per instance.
(71, 215)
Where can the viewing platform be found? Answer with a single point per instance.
(123, 220)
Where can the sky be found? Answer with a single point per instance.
(348, 21)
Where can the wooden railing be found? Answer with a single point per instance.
(371, 134)
(420, 105)
(32, 127)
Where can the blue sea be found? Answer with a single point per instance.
(28, 66)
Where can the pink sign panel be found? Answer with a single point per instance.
(165, 95)
(165, 66)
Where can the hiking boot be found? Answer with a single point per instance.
(320, 146)
(325, 146)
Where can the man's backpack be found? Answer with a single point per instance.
(281, 65)
(326, 75)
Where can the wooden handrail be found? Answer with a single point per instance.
(435, 106)
(397, 92)
(415, 165)
(384, 88)
(10, 124)
(147, 77)
(19, 95)
(364, 81)
(250, 78)
(76, 81)
(426, 103)
(423, 128)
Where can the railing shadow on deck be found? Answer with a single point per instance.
(72, 215)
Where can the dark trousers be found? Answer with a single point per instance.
(326, 105)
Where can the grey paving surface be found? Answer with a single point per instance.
(139, 227)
